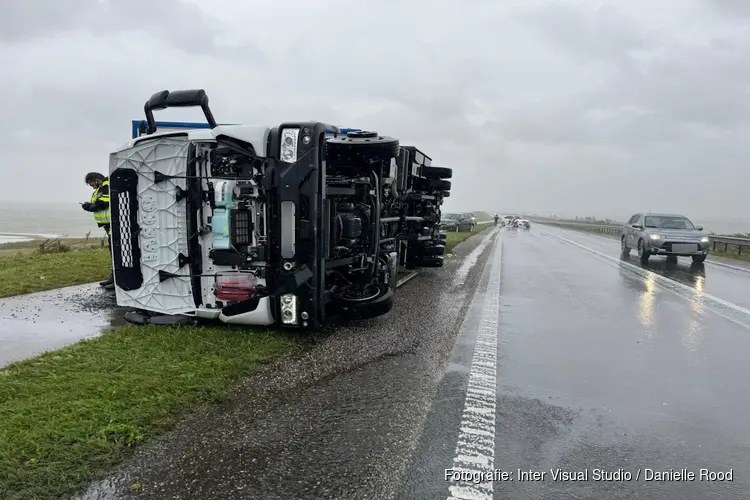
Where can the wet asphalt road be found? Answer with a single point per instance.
(599, 366)
(34, 323)
(577, 361)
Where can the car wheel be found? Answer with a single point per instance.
(350, 150)
(698, 259)
(624, 249)
(643, 255)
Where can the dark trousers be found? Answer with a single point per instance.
(106, 228)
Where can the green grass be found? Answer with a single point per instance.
(452, 239)
(731, 252)
(70, 415)
(28, 272)
(483, 216)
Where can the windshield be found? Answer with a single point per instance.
(450, 216)
(665, 222)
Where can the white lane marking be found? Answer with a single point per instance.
(721, 264)
(727, 310)
(475, 448)
(471, 259)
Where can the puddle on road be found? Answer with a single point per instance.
(38, 322)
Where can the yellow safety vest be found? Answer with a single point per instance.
(102, 217)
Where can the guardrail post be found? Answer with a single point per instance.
(739, 249)
(726, 247)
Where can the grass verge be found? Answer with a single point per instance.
(72, 414)
(731, 252)
(36, 272)
(452, 239)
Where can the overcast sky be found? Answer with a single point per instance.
(578, 107)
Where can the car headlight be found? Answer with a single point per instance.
(705, 239)
(655, 236)
(289, 138)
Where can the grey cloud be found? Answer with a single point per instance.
(537, 106)
(731, 7)
(179, 23)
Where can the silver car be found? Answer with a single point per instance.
(663, 234)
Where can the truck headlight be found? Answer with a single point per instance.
(289, 309)
(705, 239)
(655, 237)
(289, 138)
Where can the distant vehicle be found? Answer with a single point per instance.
(663, 234)
(508, 219)
(463, 223)
(522, 223)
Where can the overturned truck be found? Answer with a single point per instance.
(290, 225)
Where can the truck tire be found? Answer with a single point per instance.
(375, 299)
(436, 173)
(442, 236)
(433, 250)
(446, 194)
(432, 185)
(343, 151)
(430, 262)
(440, 185)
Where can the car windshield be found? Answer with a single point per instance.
(667, 222)
(450, 216)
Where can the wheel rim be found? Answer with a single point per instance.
(361, 294)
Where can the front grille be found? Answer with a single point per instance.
(126, 253)
(123, 217)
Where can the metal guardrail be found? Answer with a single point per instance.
(740, 243)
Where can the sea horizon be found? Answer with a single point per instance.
(26, 221)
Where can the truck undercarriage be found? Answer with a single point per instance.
(291, 225)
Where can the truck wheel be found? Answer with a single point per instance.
(369, 301)
(446, 194)
(442, 236)
(437, 172)
(433, 250)
(356, 146)
(430, 262)
(440, 185)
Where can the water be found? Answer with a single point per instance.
(22, 222)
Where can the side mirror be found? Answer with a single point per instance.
(637, 226)
(699, 228)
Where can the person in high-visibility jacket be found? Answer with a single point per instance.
(99, 206)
